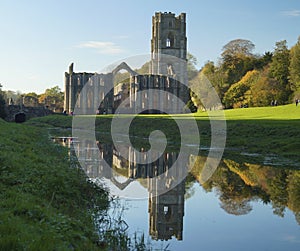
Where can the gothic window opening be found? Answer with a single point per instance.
(166, 209)
(168, 42)
(167, 213)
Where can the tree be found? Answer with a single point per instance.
(203, 94)
(238, 47)
(2, 103)
(216, 77)
(53, 98)
(237, 59)
(191, 66)
(264, 60)
(239, 95)
(265, 89)
(279, 69)
(294, 68)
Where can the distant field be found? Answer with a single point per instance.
(284, 112)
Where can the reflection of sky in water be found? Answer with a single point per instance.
(208, 227)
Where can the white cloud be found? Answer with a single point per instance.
(102, 47)
(291, 13)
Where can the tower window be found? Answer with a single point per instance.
(168, 42)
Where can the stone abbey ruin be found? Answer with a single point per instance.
(163, 90)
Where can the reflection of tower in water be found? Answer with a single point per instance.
(166, 209)
(166, 213)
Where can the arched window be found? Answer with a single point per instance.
(168, 42)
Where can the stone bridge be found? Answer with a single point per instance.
(13, 111)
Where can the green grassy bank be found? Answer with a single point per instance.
(45, 204)
(258, 132)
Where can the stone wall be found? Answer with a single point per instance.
(30, 112)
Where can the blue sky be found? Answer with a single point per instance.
(39, 39)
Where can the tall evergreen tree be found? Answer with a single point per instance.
(279, 69)
(294, 68)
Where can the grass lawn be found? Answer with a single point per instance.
(284, 112)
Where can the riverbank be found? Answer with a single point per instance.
(258, 135)
(45, 204)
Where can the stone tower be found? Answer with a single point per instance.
(169, 38)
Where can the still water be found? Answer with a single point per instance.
(242, 206)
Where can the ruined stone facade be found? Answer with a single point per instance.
(167, 74)
(96, 85)
(161, 98)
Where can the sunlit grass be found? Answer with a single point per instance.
(285, 112)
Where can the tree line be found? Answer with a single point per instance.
(243, 79)
(52, 98)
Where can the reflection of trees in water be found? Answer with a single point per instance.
(297, 217)
(278, 192)
(234, 194)
(239, 184)
(189, 187)
(235, 207)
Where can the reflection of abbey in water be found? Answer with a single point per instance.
(237, 185)
(166, 210)
(89, 93)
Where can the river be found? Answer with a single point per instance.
(242, 206)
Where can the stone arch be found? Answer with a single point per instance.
(123, 185)
(123, 66)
